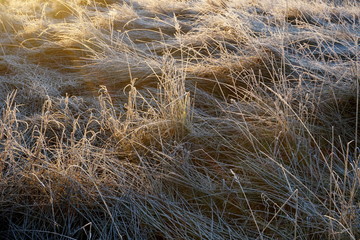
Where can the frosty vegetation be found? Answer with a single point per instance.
(179, 119)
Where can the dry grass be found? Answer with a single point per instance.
(144, 119)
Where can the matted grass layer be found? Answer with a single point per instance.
(179, 119)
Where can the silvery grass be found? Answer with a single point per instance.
(179, 119)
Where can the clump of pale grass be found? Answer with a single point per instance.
(179, 120)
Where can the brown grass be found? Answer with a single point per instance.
(179, 119)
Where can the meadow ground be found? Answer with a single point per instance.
(179, 119)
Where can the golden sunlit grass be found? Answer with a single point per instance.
(204, 119)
